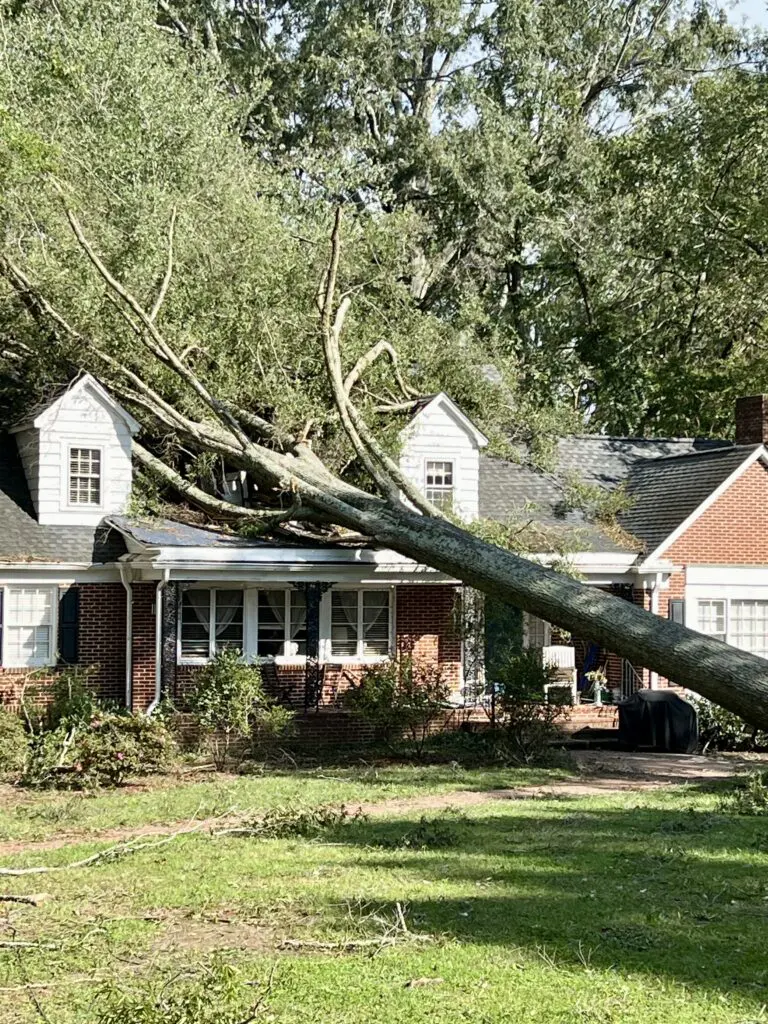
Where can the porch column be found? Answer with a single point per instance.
(169, 629)
(313, 675)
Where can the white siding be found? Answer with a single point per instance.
(79, 420)
(435, 434)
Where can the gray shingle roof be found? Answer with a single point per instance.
(23, 539)
(510, 490)
(666, 491)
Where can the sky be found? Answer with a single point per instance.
(753, 11)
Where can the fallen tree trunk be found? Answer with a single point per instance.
(284, 464)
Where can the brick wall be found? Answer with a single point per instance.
(101, 647)
(424, 630)
(143, 646)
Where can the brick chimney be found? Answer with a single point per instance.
(752, 420)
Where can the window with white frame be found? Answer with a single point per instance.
(84, 476)
(29, 619)
(210, 621)
(536, 632)
(281, 624)
(360, 624)
(711, 618)
(738, 621)
(439, 484)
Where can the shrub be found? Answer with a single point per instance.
(749, 797)
(399, 698)
(105, 751)
(723, 730)
(14, 744)
(430, 834)
(529, 721)
(229, 702)
(298, 822)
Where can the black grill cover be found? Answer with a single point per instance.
(658, 719)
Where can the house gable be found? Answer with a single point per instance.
(733, 529)
(441, 433)
(83, 422)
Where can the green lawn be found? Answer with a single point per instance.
(647, 907)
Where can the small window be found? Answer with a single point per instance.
(536, 632)
(711, 618)
(84, 476)
(360, 624)
(211, 620)
(439, 484)
(28, 628)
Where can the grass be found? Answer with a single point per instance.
(640, 907)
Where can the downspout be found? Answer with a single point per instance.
(159, 640)
(125, 580)
(653, 677)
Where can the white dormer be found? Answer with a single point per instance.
(441, 455)
(76, 453)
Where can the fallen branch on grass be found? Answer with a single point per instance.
(349, 945)
(33, 900)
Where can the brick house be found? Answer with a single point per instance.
(144, 604)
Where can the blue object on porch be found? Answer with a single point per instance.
(591, 662)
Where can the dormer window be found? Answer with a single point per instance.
(439, 484)
(85, 476)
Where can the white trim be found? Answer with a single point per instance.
(83, 382)
(758, 454)
(455, 413)
(67, 447)
(53, 655)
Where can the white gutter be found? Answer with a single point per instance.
(158, 639)
(125, 580)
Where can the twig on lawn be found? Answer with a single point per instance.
(54, 983)
(19, 944)
(346, 945)
(31, 901)
(114, 852)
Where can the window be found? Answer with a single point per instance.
(749, 626)
(282, 624)
(711, 619)
(360, 624)
(536, 632)
(28, 639)
(211, 620)
(84, 476)
(439, 484)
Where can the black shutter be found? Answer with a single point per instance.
(677, 612)
(69, 622)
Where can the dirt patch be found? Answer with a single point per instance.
(602, 773)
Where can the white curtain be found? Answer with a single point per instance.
(200, 602)
(276, 602)
(298, 614)
(226, 612)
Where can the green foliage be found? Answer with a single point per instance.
(402, 697)
(73, 703)
(302, 822)
(216, 993)
(430, 834)
(529, 721)
(749, 796)
(105, 750)
(229, 702)
(723, 730)
(13, 744)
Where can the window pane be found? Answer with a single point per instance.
(749, 626)
(538, 631)
(344, 624)
(29, 626)
(439, 484)
(711, 618)
(229, 619)
(271, 639)
(375, 622)
(298, 632)
(195, 623)
(84, 476)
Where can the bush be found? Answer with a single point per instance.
(229, 702)
(749, 797)
(104, 751)
(14, 743)
(723, 730)
(399, 698)
(297, 822)
(529, 721)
